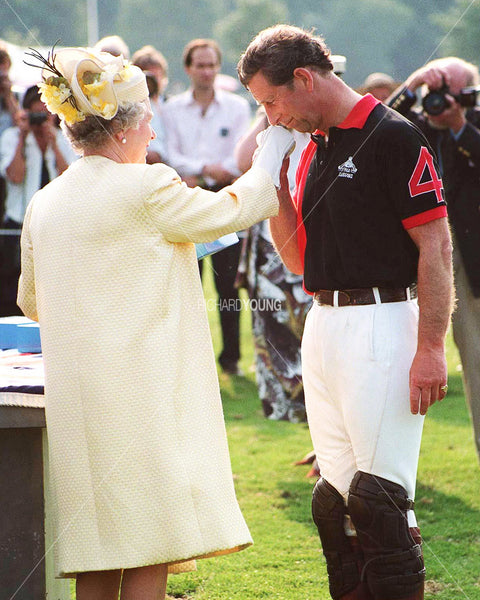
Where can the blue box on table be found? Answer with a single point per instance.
(20, 333)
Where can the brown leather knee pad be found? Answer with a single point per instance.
(394, 565)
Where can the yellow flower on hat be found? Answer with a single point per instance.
(95, 88)
(94, 91)
(70, 114)
(57, 96)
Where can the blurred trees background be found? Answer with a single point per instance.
(395, 37)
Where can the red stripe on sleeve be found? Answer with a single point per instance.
(425, 217)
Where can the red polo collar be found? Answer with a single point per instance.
(359, 113)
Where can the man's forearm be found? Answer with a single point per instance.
(435, 295)
(283, 228)
(428, 373)
(16, 169)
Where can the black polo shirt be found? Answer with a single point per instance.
(366, 186)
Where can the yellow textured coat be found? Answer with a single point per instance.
(140, 468)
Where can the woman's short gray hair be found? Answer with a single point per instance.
(94, 132)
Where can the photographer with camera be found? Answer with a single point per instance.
(450, 120)
(32, 153)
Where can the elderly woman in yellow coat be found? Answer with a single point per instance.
(140, 468)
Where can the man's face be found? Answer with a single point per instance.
(203, 68)
(287, 105)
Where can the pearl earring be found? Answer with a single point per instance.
(124, 140)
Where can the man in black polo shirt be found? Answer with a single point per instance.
(368, 230)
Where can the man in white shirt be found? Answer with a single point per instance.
(32, 153)
(203, 126)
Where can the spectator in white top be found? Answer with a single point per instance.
(155, 66)
(8, 107)
(203, 126)
(32, 153)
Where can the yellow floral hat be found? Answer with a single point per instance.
(80, 81)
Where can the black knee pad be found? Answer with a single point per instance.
(378, 508)
(343, 562)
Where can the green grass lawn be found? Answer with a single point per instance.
(285, 561)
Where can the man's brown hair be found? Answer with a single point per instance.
(200, 43)
(279, 50)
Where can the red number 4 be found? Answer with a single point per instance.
(434, 184)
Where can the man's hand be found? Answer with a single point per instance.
(283, 227)
(452, 117)
(218, 173)
(428, 375)
(284, 183)
(433, 77)
(21, 121)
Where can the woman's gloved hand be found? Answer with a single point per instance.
(274, 145)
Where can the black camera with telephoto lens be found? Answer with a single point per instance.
(37, 118)
(435, 102)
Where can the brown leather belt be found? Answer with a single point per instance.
(362, 296)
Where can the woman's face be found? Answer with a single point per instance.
(138, 139)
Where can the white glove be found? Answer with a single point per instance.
(274, 145)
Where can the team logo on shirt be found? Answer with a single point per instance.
(347, 169)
